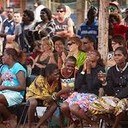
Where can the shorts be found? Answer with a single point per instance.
(12, 97)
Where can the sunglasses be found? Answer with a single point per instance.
(60, 11)
(69, 44)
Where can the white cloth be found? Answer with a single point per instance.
(37, 13)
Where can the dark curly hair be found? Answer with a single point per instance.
(48, 12)
(30, 14)
(12, 52)
(49, 69)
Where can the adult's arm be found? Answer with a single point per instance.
(69, 32)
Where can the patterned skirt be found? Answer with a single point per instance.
(108, 104)
(81, 99)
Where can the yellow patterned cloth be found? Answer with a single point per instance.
(108, 104)
(40, 89)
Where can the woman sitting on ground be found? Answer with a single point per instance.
(86, 89)
(13, 85)
(116, 87)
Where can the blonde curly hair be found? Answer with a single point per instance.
(48, 41)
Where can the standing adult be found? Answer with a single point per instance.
(17, 17)
(23, 34)
(46, 27)
(64, 26)
(8, 25)
(90, 26)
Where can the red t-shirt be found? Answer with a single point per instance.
(119, 29)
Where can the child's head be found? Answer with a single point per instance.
(70, 63)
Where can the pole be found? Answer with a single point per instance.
(103, 28)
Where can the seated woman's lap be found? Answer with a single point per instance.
(108, 104)
(10, 98)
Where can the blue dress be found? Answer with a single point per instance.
(9, 78)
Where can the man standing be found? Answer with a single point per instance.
(8, 25)
(64, 25)
(90, 26)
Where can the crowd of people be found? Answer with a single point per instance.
(64, 66)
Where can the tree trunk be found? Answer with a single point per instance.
(80, 8)
(103, 28)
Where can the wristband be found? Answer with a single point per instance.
(82, 72)
(54, 96)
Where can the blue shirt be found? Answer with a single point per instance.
(8, 75)
(86, 29)
(8, 27)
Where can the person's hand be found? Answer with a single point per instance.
(2, 88)
(87, 65)
(102, 77)
(48, 101)
(10, 38)
(63, 56)
(34, 63)
(51, 54)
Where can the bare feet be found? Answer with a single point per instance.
(74, 124)
(11, 122)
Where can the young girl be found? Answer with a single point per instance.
(67, 77)
(86, 86)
